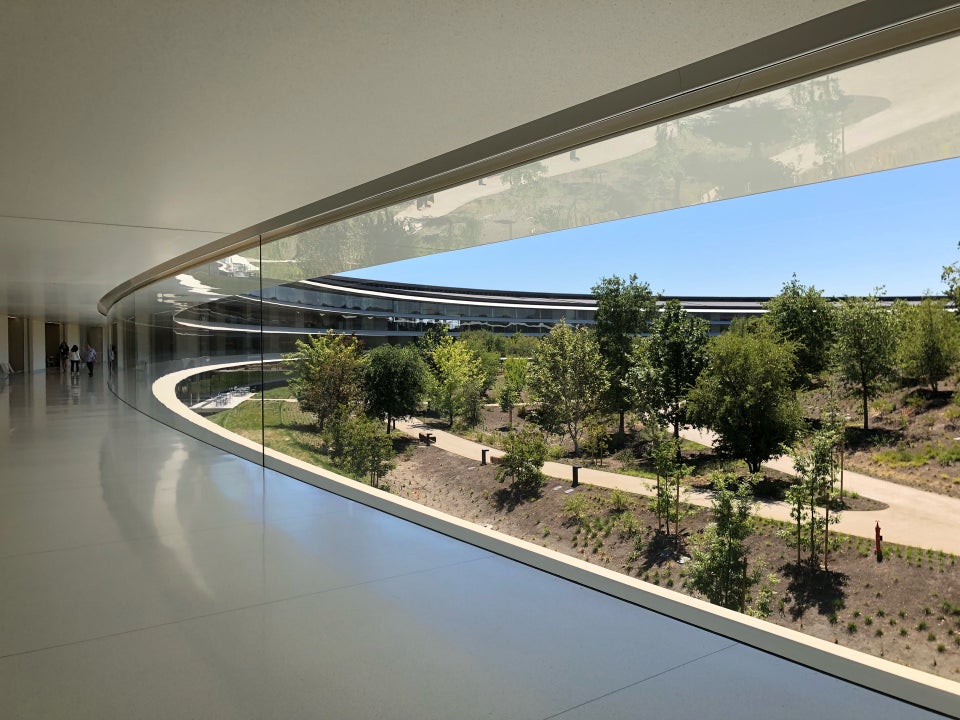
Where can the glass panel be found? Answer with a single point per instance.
(189, 349)
(875, 116)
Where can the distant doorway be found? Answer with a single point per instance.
(15, 332)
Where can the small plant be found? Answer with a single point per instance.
(931, 637)
(832, 617)
(618, 500)
(922, 625)
(941, 647)
(868, 621)
(902, 614)
(878, 632)
(903, 632)
(851, 627)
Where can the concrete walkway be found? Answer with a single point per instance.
(914, 517)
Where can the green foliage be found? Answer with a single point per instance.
(395, 380)
(802, 316)
(514, 382)
(597, 441)
(951, 278)
(745, 395)
(675, 354)
(326, 375)
(618, 500)
(625, 309)
(364, 448)
(459, 380)
(719, 569)
(522, 463)
(489, 348)
(865, 348)
(813, 490)
(577, 508)
(568, 379)
(929, 341)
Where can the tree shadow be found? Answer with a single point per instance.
(661, 549)
(824, 590)
(507, 500)
(860, 439)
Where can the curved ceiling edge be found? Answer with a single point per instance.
(848, 36)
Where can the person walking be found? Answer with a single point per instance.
(64, 353)
(90, 357)
(74, 360)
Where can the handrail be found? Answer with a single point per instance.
(849, 36)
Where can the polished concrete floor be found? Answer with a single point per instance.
(144, 574)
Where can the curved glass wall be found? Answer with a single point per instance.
(212, 338)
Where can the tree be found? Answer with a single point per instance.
(522, 462)
(624, 310)
(514, 381)
(568, 379)
(676, 354)
(524, 174)
(326, 374)
(814, 489)
(367, 449)
(930, 342)
(951, 278)
(719, 568)
(458, 389)
(865, 348)
(670, 474)
(805, 318)
(395, 380)
(745, 395)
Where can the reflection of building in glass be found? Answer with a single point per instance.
(377, 309)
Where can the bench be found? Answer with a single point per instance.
(427, 438)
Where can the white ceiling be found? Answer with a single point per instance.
(132, 132)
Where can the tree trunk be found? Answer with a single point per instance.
(798, 543)
(676, 520)
(659, 509)
(866, 417)
(622, 427)
(826, 534)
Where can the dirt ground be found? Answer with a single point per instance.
(914, 436)
(906, 608)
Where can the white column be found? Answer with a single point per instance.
(37, 355)
(4, 337)
(71, 334)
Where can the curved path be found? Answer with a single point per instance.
(914, 517)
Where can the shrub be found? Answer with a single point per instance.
(618, 500)
(522, 462)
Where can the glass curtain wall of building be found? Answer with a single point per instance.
(202, 350)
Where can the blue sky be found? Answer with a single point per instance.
(896, 228)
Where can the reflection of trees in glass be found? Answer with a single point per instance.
(759, 128)
(668, 158)
(367, 239)
(524, 175)
(819, 121)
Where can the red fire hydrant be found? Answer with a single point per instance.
(879, 540)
